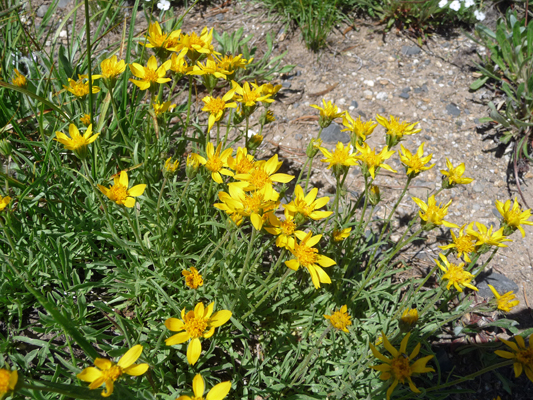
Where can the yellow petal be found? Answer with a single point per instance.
(218, 392)
(193, 351)
(137, 190)
(130, 357)
(89, 374)
(136, 369)
(175, 324)
(198, 386)
(130, 202)
(220, 318)
(103, 363)
(178, 338)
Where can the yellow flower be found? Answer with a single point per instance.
(231, 63)
(243, 162)
(327, 113)
(215, 106)
(171, 167)
(79, 88)
(263, 175)
(19, 79)
(8, 381)
(178, 64)
(313, 147)
(415, 163)
(464, 244)
(454, 175)
(197, 323)
(409, 319)
(192, 164)
(149, 75)
(4, 201)
(340, 319)
(270, 89)
(456, 275)
(197, 45)
(210, 68)
(522, 355)
(77, 143)
(396, 129)
(284, 230)
(505, 302)
(340, 159)
(108, 372)
(216, 161)
(374, 195)
(485, 236)
(159, 40)
(218, 392)
(86, 119)
(308, 257)
(267, 118)
(360, 130)
(340, 235)
(399, 367)
(513, 217)
(238, 204)
(119, 192)
(307, 206)
(255, 141)
(371, 161)
(433, 214)
(248, 95)
(162, 108)
(111, 68)
(192, 278)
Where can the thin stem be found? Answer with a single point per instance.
(246, 131)
(133, 228)
(159, 204)
(117, 116)
(303, 366)
(309, 168)
(387, 222)
(267, 294)
(230, 118)
(273, 271)
(175, 218)
(89, 66)
(189, 103)
(248, 254)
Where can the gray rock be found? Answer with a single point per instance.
(296, 105)
(422, 89)
(362, 114)
(298, 136)
(410, 50)
(41, 11)
(501, 283)
(406, 89)
(478, 187)
(404, 95)
(453, 110)
(333, 134)
(286, 84)
(64, 3)
(354, 104)
(496, 213)
(382, 110)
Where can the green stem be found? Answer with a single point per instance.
(272, 272)
(387, 222)
(189, 103)
(158, 205)
(248, 254)
(89, 66)
(267, 294)
(117, 116)
(246, 131)
(487, 262)
(303, 366)
(308, 174)
(230, 118)
(133, 228)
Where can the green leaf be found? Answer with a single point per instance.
(478, 83)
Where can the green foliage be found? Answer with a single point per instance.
(508, 66)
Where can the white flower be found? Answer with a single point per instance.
(163, 5)
(480, 16)
(455, 5)
(443, 3)
(469, 3)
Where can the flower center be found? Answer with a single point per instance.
(4, 381)
(302, 207)
(194, 280)
(457, 274)
(214, 164)
(215, 105)
(525, 356)
(150, 75)
(80, 89)
(306, 255)
(433, 214)
(465, 244)
(340, 320)
(243, 165)
(77, 142)
(400, 367)
(513, 217)
(195, 326)
(260, 178)
(250, 96)
(415, 163)
(118, 193)
(252, 204)
(112, 373)
(339, 157)
(110, 71)
(288, 227)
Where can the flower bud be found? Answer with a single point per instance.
(374, 195)
(192, 166)
(5, 147)
(170, 167)
(408, 320)
(254, 142)
(313, 147)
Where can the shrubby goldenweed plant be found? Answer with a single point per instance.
(153, 234)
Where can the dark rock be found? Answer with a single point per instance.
(286, 84)
(467, 111)
(404, 95)
(422, 89)
(410, 50)
(501, 283)
(406, 89)
(354, 104)
(296, 105)
(382, 110)
(361, 113)
(453, 110)
(333, 134)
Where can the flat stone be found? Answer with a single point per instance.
(404, 95)
(500, 282)
(382, 96)
(361, 113)
(422, 89)
(368, 94)
(410, 50)
(63, 3)
(406, 89)
(354, 104)
(41, 11)
(369, 83)
(453, 110)
(298, 136)
(286, 84)
(333, 134)
(478, 187)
